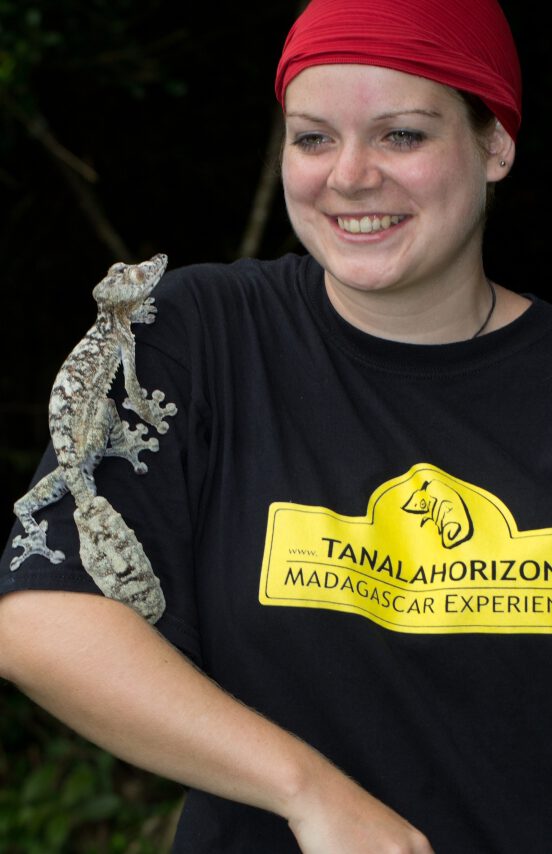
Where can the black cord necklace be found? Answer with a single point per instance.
(491, 310)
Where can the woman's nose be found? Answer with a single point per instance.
(355, 168)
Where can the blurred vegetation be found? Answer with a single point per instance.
(58, 793)
(129, 127)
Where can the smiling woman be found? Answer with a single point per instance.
(372, 190)
(359, 458)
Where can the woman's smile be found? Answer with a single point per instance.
(368, 223)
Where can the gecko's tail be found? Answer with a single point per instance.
(115, 559)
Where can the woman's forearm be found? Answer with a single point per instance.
(106, 673)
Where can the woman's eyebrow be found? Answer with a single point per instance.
(307, 116)
(432, 114)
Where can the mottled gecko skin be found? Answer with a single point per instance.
(85, 427)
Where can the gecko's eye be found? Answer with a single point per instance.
(136, 275)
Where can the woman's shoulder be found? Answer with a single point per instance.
(217, 280)
(218, 301)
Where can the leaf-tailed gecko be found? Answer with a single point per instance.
(85, 427)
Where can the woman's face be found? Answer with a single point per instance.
(384, 180)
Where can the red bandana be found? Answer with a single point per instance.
(465, 44)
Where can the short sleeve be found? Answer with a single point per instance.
(161, 506)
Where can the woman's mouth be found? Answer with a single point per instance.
(369, 224)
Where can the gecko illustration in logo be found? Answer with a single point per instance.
(441, 504)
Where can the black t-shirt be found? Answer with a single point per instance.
(354, 536)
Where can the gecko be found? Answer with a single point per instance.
(85, 427)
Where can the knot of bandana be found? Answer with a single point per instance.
(465, 44)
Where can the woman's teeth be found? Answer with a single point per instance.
(368, 224)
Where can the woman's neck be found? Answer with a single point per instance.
(432, 315)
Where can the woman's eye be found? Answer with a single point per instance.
(310, 141)
(406, 138)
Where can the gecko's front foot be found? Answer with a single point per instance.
(145, 313)
(34, 543)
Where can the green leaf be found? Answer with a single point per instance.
(79, 785)
(97, 809)
(33, 17)
(40, 784)
(176, 88)
(57, 831)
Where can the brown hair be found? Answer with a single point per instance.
(482, 121)
(481, 117)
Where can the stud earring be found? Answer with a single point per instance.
(502, 163)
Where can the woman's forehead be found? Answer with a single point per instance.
(376, 89)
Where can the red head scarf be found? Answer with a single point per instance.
(465, 44)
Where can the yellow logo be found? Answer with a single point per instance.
(433, 554)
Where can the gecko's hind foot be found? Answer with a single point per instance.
(152, 409)
(129, 443)
(34, 543)
(136, 443)
(166, 411)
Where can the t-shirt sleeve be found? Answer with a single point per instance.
(160, 506)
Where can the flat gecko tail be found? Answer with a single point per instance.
(113, 556)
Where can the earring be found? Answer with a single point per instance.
(502, 163)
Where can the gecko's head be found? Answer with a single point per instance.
(128, 285)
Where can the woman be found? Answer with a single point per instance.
(350, 514)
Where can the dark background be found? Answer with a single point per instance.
(129, 127)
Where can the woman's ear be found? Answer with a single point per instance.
(501, 154)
